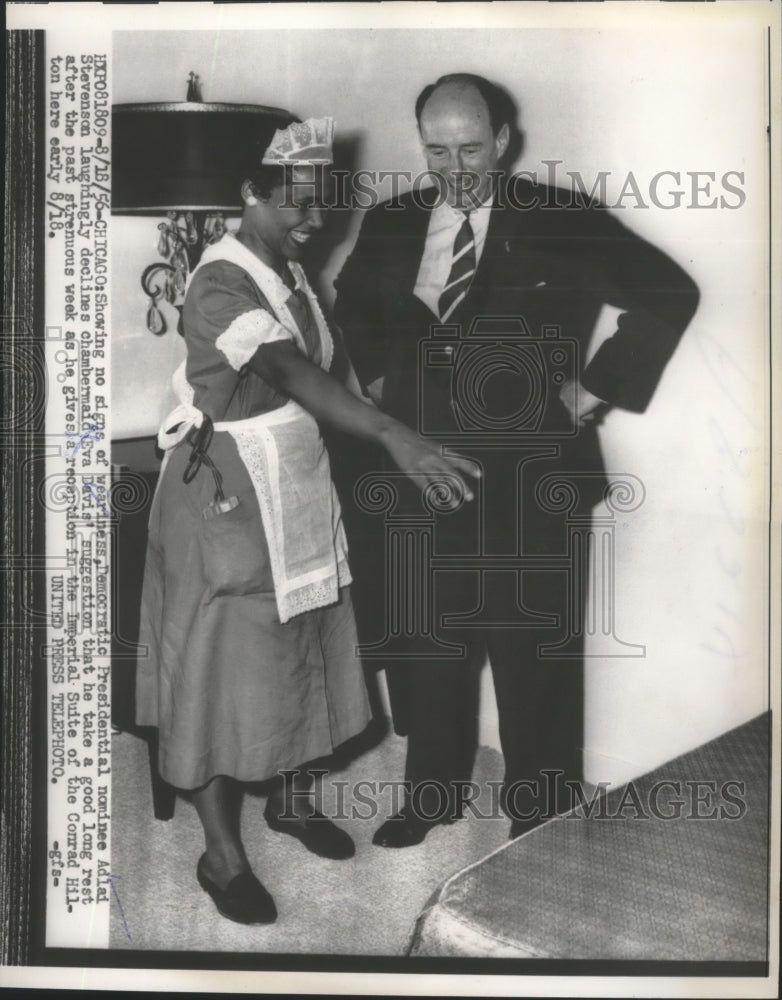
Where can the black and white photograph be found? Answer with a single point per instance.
(392, 548)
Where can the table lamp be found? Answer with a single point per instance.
(186, 161)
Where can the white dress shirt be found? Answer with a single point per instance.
(444, 223)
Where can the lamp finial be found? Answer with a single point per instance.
(194, 87)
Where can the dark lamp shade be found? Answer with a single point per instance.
(185, 155)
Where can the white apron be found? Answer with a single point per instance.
(284, 456)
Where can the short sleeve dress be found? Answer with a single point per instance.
(233, 687)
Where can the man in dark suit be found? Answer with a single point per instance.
(468, 310)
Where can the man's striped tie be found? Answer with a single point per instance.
(462, 270)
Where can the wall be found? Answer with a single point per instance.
(690, 561)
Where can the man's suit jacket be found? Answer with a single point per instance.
(553, 265)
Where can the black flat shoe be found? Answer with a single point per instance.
(406, 828)
(316, 832)
(402, 830)
(244, 900)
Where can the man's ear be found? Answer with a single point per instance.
(502, 140)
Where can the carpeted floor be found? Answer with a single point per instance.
(364, 906)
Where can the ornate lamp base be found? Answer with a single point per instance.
(183, 238)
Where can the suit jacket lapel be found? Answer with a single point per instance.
(408, 228)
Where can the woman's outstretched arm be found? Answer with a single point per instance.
(282, 366)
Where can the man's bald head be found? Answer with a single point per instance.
(468, 87)
(455, 100)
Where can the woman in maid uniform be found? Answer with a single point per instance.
(246, 612)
